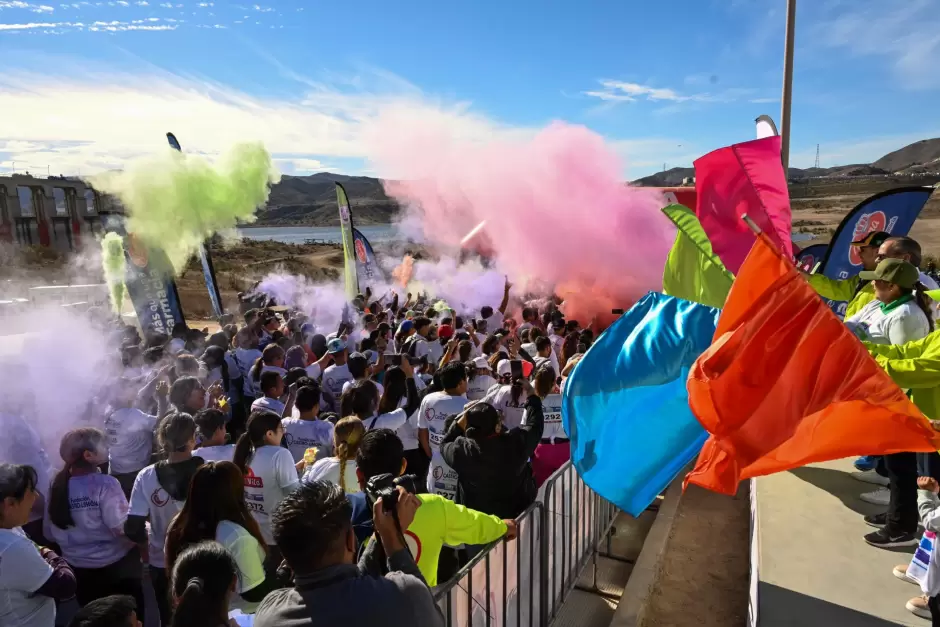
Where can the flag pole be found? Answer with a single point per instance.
(787, 97)
(751, 224)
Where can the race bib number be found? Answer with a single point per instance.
(442, 479)
(551, 408)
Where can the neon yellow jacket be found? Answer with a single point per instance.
(914, 366)
(844, 290)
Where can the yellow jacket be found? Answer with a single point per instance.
(844, 290)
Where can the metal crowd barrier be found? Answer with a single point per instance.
(524, 582)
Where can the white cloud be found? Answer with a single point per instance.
(262, 9)
(17, 4)
(614, 91)
(904, 32)
(114, 26)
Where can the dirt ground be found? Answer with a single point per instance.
(705, 576)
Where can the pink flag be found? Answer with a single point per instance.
(743, 179)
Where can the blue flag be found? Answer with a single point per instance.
(807, 258)
(893, 211)
(625, 406)
(367, 268)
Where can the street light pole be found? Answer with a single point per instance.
(787, 99)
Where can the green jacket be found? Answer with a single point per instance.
(914, 366)
(844, 290)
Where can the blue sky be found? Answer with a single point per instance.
(86, 85)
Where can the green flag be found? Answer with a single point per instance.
(693, 272)
(349, 246)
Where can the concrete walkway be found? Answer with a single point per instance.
(815, 568)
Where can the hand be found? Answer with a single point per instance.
(512, 529)
(527, 388)
(462, 421)
(384, 522)
(508, 284)
(215, 390)
(409, 295)
(292, 390)
(928, 483)
(162, 389)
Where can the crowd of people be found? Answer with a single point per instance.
(890, 311)
(277, 470)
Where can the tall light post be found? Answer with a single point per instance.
(787, 98)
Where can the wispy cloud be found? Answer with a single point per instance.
(262, 9)
(35, 8)
(113, 26)
(906, 33)
(614, 91)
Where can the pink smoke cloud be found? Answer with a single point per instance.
(556, 207)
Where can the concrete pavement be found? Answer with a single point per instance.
(815, 568)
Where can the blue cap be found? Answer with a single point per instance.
(336, 345)
(406, 326)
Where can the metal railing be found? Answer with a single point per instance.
(525, 581)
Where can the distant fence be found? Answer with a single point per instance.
(524, 582)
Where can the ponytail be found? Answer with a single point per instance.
(923, 301)
(347, 435)
(259, 423)
(202, 576)
(72, 450)
(255, 372)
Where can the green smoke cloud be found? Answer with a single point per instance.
(112, 260)
(175, 201)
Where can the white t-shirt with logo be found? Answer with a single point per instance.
(435, 352)
(130, 439)
(393, 420)
(435, 409)
(249, 561)
(551, 408)
(265, 403)
(327, 469)
(501, 398)
(480, 385)
(271, 476)
(98, 506)
(299, 435)
(349, 384)
(22, 572)
(148, 498)
(221, 453)
(334, 377)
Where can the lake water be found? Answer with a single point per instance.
(300, 234)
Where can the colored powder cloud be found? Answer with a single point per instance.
(175, 201)
(556, 207)
(112, 260)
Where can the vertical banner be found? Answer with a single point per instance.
(366, 265)
(893, 211)
(205, 258)
(150, 285)
(349, 245)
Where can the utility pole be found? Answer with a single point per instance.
(817, 155)
(787, 99)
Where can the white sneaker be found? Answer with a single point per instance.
(901, 573)
(870, 476)
(881, 496)
(918, 607)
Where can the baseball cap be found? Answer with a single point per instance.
(445, 331)
(873, 239)
(336, 345)
(480, 362)
(371, 356)
(406, 326)
(505, 368)
(897, 271)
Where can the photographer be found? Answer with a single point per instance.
(312, 526)
(492, 464)
(439, 521)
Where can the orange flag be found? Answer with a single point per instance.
(785, 384)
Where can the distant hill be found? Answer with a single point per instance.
(311, 201)
(919, 158)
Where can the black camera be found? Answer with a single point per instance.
(385, 487)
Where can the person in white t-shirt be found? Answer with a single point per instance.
(362, 370)
(21, 444)
(210, 437)
(434, 411)
(130, 434)
(341, 468)
(272, 386)
(495, 319)
(85, 516)
(245, 355)
(158, 495)
(482, 380)
(216, 510)
(32, 579)
(336, 375)
(307, 430)
(270, 473)
(272, 360)
(506, 397)
(544, 355)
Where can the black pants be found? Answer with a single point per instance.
(161, 589)
(902, 470)
(122, 577)
(418, 465)
(934, 604)
(126, 479)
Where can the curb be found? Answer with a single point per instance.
(645, 574)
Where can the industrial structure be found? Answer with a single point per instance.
(56, 212)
